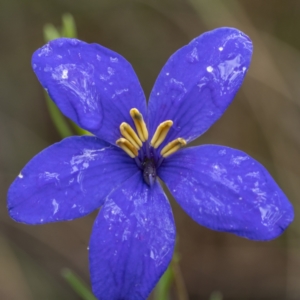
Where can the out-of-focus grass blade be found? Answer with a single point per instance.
(58, 119)
(79, 130)
(216, 296)
(50, 33)
(162, 289)
(78, 286)
(172, 276)
(68, 26)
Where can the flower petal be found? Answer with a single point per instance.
(226, 190)
(68, 180)
(92, 85)
(199, 81)
(132, 241)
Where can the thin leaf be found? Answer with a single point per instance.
(162, 290)
(58, 119)
(78, 286)
(50, 33)
(216, 296)
(68, 27)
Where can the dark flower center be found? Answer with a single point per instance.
(149, 170)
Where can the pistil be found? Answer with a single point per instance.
(149, 171)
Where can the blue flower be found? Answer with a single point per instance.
(133, 236)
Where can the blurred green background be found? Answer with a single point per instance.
(264, 121)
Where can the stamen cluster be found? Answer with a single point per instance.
(133, 142)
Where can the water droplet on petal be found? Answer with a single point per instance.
(209, 69)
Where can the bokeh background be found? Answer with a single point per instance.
(264, 121)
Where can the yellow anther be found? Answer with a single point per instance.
(140, 124)
(172, 147)
(127, 147)
(161, 133)
(130, 135)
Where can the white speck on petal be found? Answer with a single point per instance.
(74, 42)
(218, 174)
(261, 195)
(104, 77)
(45, 50)
(47, 68)
(74, 169)
(194, 55)
(119, 92)
(114, 59)
(64, 74)
(178, 85)
(78, 81)
(110, 71)
(209, 69)
(20, 175)
(253, 174)
(229, 69)
(55, 206)
(269, 215)
(167, 73)
(216, 166)
(238, 159)
(222, 152)
(221, 48)
(49, 176)
(74, 205)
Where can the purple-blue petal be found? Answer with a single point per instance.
(132, 241)
(92, 85)
(68, 180)
(199, 81)
(226, 190)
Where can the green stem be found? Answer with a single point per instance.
(58, 119)
(162, 289)
(79, 130)
(179, 282)
(78, 286)
(216, 296)
(68, 26)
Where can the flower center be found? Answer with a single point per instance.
(137, 146)
(149, 171)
